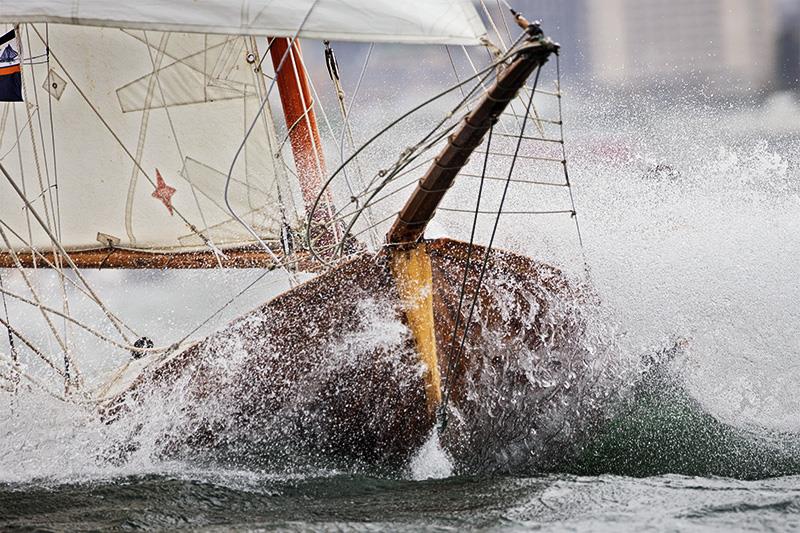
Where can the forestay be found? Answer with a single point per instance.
(138, 129)
(406, 21)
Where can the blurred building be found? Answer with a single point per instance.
(788, 45)
(567, 22)
(731, 43)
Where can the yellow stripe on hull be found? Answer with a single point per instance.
(411, 269)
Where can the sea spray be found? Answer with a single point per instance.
(431, 461)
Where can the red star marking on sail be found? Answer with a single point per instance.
(163, 192)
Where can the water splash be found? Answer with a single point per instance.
(431, 461)
(690, 230)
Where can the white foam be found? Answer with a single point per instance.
(431, 460)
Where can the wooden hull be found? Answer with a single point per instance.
(330, 365)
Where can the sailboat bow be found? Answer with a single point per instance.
(391, 340)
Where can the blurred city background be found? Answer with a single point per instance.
(733, 45)
(727, 48)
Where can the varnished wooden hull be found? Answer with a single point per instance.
(329, 363)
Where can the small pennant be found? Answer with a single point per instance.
(163, 192)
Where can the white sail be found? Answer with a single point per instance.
(402, 21)
(144, 128)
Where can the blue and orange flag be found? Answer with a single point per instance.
(10, 77)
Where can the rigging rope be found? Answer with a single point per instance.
(347, 132)
(404, 160)
(453, 357)
(12, 347)
(68, 362)
(124, 148)
(442, 420)
(116, 322)
(55, 212)
(249, 131)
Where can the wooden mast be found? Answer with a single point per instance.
(301, 120)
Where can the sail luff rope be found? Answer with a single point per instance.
(443, 413)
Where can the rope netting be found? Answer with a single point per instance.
(542, 150)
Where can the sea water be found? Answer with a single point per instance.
(690, 218)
